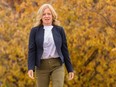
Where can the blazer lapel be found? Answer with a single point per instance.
(55, 37)
(40, 36)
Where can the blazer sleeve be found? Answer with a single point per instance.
(31, 50)
(65, 52)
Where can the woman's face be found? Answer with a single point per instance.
(47, 17)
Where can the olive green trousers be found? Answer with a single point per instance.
(50, 70)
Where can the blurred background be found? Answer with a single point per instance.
(90, 26)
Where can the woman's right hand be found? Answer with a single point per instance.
(30, 74)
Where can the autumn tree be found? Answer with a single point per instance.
(90, 26)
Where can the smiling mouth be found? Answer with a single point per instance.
(47, 19)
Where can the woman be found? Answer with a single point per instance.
(48, 50)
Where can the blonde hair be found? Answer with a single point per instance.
(40, 13)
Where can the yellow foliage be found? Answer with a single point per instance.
(2, 70)
(89, 25)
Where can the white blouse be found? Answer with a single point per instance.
(49, 45)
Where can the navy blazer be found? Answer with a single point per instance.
(35, 49)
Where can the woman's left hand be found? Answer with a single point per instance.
(71, 75)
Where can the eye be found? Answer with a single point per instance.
(49, 13)
(43, 14)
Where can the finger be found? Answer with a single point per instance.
(71, 76)
(31, 74)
